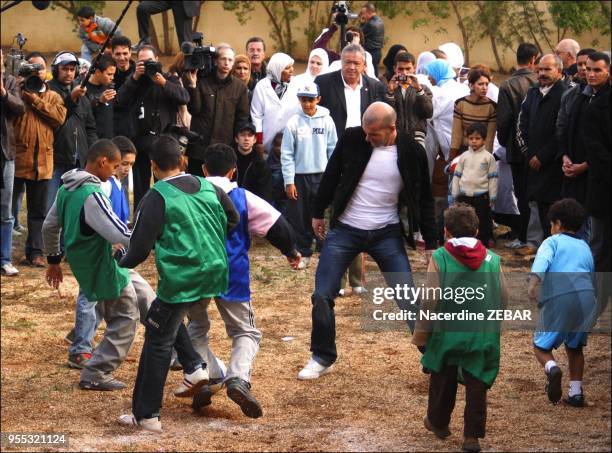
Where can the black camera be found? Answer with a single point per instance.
(152, 67)
(183, 135)
(401, 78)
(350, 35)
(30, 73)
(200, 57)
(343, 13)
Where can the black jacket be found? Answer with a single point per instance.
(511, 95)
(160, 105)
(598, 143)
(374, 34)
(103, 113)
(346, 166)
(217, 107)
(536, 136)
(413, 110)
(254, 175)
(73, 139)
(331, 89)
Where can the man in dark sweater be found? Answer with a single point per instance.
(374, 33)
(101, 93)
(122, 54)
(373, 174)
(252, 172)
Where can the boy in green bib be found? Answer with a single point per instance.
(185, 219)
(465, 349)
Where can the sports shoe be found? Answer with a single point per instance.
(148, 424)
(553, 387)
(69, 338)
(304, 263)
(106, 386)
(204, 397)
(18, 230)
(575, 400)
(192, 383)
(342, 293)
(313, 370)
(470, 444)
(440, 433)
(359, 290)
(239, 391)
(526, 250)
(9, 270)
(37, 261)
(78, 360)
(514, 244)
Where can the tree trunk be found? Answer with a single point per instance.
(541, 24)
(286, 9)
(464, 33)
(531, 32)
(277, 28)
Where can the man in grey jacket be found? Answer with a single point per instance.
(373, 32)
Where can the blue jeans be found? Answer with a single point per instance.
(86, 54)
(56, 181)
(85, 325)
(6, 200)
(342, 245)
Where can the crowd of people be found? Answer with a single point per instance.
(427, 153)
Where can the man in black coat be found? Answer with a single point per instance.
(349, 92)
(373, 173)
(183, 13)
(537, 138)
(374, 33)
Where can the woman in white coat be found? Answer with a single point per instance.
(318, 63)
(274, 101)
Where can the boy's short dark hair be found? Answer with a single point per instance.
(166, 153)
(255, 39)
(479, 128)
(102, 148)
(120, 41)
(104, 62)
(86, 12)
(599, 56)
(568, 212)
(525, 52)
(125, 145)
(587, 51)
(219, 159)
(461, 220)
(404, 57)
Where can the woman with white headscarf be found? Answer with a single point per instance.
(318, 63)
(274, 100)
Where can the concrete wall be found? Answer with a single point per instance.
(51, 31)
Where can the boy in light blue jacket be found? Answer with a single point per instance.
(308, 141)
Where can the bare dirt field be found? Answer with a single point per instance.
(375, 399)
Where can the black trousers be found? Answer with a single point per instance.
(442, 396)
(182, 23)
(299, 212)
(194, 167)
(543, 208)
(376, 57)
(36, 199)
(141, 171)
(483, 210)
(164, 329)
(518, 181)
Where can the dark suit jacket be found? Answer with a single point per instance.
(331, 89)
(192, 8)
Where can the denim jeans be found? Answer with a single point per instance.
(56, 181)
(86, 54)
(162, 331)
(6, 199)
(343, 243)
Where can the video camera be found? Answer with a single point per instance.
(343, 13)
(30, 73)
(183, 135)
(200, 57)
(16, 57)
(152, 67)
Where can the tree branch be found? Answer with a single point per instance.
(464, 33)
(277, 28)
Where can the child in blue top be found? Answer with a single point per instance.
(564, 266)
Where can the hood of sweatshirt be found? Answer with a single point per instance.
(222, 182)
(468, 251)
(320, 113)
(73, 179)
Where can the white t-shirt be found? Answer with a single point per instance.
(374, 202)
(353, 104)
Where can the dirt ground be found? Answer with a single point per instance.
(375, 399)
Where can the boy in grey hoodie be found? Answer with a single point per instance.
(93, 31)
(308, 141)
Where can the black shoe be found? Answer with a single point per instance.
(204, 397)
(553, 388)
(471, 444)
(239, 392)
(441, 433)
(575, 400)
(106, 386)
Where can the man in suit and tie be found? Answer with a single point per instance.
(183, 13)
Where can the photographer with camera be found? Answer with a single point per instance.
(218, 103)
(374, 32)
(152, 99)
(73, 139)
(33, 131)
(411, 100)
(101, 93)
(12, 107)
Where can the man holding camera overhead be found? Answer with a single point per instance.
(33, 133)
(152, 99)
(218, 103)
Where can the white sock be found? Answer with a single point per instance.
(548, 365)
(575, 388)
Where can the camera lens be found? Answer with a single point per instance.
(33, 83)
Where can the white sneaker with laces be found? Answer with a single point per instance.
(192, 383)
(148, 424)
(9, 270)
(304, 263)
(313, 370)
(359, 290)
(514, 244)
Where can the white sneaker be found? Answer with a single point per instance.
(342, 293)
(514, 244)
(192, 383)
(313, 370)
(304, 262)
(148, 424)
(359, 290)
(9, 270)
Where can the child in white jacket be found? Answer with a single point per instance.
(308, 141)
